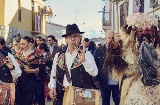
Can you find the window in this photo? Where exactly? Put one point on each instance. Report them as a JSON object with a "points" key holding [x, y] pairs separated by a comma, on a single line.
{"points": [[38, 23], [19, 15], [39, 10], [123, 13], [138, 6], [142, 6], [153, 3], [19, 10]]}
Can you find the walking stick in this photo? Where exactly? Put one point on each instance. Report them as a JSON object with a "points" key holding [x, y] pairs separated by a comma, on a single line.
{"points": [[117, 16]]}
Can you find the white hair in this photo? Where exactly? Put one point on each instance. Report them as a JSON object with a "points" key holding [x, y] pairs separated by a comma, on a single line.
{"points": [[108, 31]]}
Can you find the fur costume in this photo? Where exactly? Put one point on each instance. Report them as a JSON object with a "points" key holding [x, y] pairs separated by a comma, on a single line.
{"points": [[138, 59]]}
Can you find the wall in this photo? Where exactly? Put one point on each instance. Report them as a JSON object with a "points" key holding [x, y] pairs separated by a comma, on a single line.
{"points": [[56, 30], [151, 10], [11, 14], [2, 12], [131, 6]]}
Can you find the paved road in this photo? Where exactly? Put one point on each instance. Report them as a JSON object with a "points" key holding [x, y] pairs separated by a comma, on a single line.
{"points": [[50, 103]]}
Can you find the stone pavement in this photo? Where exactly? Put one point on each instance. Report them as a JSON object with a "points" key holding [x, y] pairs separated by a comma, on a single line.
{"points": [[50, 103], [112, 103]]}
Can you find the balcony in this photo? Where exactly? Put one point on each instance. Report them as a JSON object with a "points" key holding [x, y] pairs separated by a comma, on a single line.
{"points": [[107, 25], [36, 23]]}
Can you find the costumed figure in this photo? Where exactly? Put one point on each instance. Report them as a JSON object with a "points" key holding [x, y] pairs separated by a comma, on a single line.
{"points": [[136, 61], [30, 86]]}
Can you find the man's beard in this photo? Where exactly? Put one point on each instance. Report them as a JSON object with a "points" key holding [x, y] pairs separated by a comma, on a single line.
{"points": [[148, 64]]}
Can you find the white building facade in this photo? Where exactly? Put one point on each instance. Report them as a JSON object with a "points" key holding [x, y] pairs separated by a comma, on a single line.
{"points": [[125, 8], [153, 8], [55, 30]]}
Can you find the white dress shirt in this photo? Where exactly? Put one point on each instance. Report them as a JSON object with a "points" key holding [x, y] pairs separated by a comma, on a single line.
{"points": [[51, 48], [89, 65], [17, 71]]}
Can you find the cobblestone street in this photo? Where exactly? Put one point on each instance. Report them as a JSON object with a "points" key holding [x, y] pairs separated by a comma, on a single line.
{"points": [[50, 103]]}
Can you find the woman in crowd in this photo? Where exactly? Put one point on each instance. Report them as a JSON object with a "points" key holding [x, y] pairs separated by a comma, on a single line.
{"points": [[92, 47], [48, 59], [29, 90], [37, 41], [43, 40], [16, 45]]}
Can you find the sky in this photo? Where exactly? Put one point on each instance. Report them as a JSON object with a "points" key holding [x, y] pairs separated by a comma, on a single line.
{"points": [[82, 12]]}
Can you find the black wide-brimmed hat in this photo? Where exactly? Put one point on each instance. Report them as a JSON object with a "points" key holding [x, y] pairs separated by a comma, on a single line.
{"points": [[71, 29]]}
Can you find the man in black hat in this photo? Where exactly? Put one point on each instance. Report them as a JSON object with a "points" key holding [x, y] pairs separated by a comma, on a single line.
{"points": [[73, 66]]}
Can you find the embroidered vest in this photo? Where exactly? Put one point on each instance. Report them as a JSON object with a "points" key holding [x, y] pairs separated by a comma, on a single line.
{"points": [[5, 73], [80, 78]]}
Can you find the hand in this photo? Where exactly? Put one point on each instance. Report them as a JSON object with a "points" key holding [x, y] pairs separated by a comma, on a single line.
{"points": [[81, 55], [9, 62], [53, 93], [37, 70], [15, 80], [28, 70], [117, 37]]}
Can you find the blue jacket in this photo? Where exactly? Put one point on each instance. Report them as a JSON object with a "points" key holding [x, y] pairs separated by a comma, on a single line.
{"points": [[91, 49], [99, 56]]}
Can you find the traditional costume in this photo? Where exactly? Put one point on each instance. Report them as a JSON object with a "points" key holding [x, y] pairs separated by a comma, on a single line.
{"points": [[30, 86], [136, 59], [69, 70], [7, 75]]}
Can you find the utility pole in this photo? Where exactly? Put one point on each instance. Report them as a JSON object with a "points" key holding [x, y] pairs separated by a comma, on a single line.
{"points": [[76, 12]]}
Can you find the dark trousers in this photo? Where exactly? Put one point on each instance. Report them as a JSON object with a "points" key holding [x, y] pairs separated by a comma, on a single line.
{"points": [[106, 93], [60, 98]]}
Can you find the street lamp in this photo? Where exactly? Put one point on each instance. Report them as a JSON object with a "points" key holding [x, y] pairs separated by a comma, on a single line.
{"points": [[116, 1], [76, 12], [83, 26]]}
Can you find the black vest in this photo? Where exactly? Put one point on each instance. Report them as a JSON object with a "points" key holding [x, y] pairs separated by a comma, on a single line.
{"points": [[80, 78], [5, 73]]}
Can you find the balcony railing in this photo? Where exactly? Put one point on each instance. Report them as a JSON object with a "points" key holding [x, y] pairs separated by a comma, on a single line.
{"points": [[107, 23]]}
